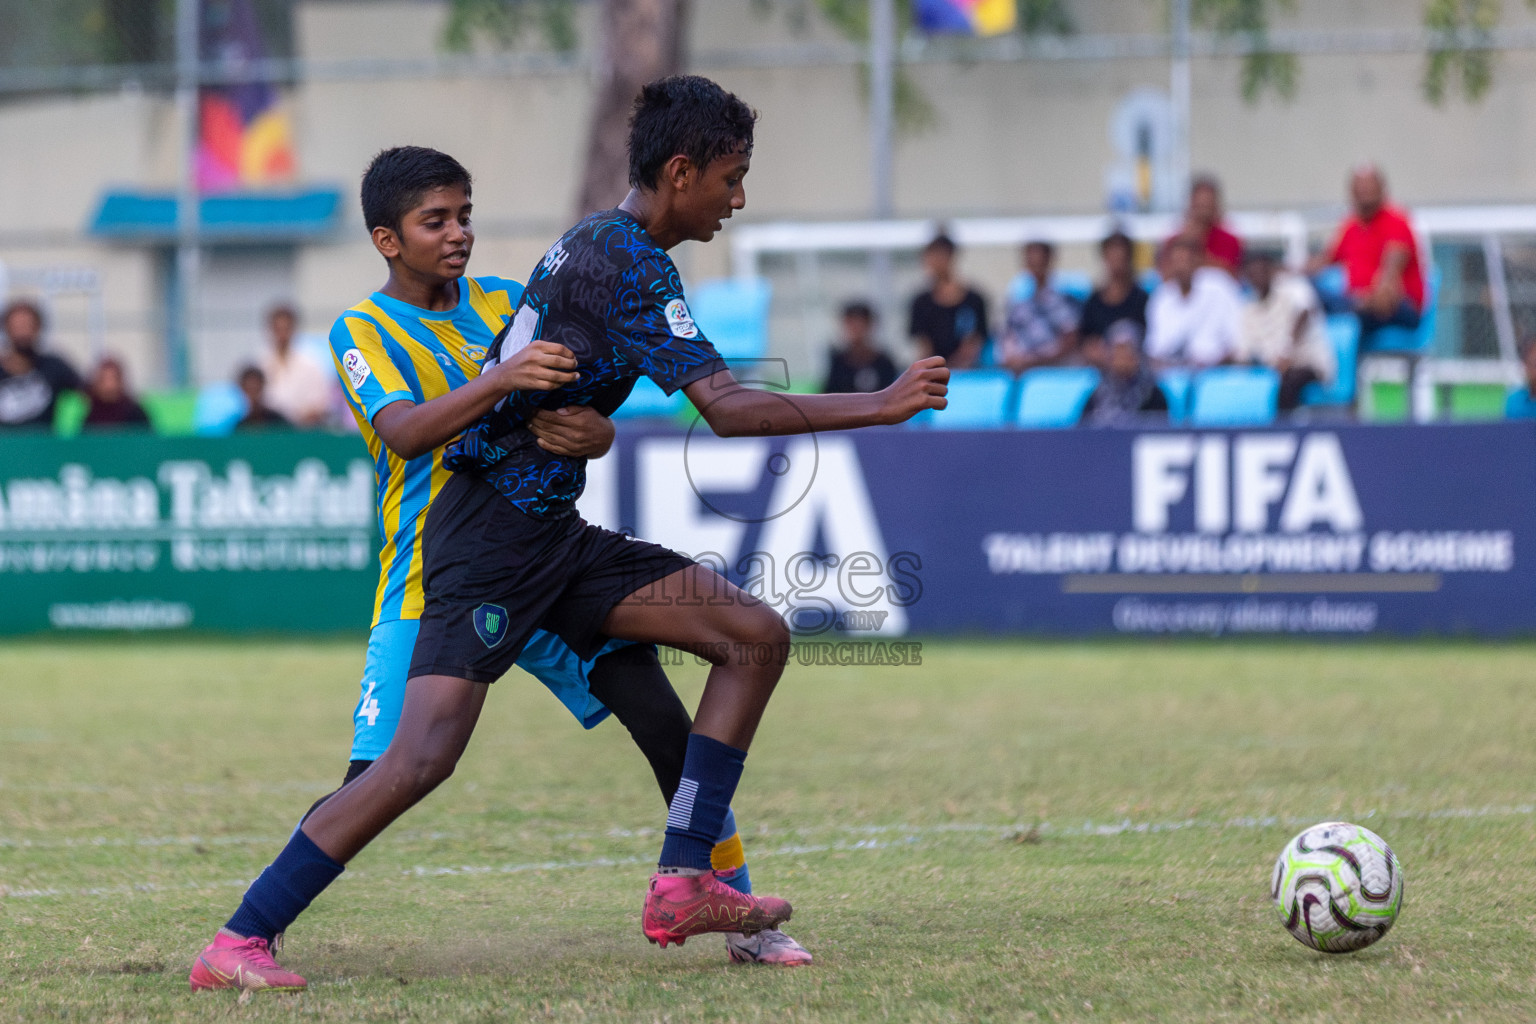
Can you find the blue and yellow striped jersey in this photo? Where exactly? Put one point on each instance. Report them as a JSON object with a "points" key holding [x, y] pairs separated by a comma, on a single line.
{"points": [[387, 351]]}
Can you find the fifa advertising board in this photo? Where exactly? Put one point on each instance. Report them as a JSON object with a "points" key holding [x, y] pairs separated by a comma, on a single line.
{"points": [[861, 537], [127, 531], [1329, 530]]}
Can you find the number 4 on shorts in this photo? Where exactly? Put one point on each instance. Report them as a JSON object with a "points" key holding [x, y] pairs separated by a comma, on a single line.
{"points": [[369, 708]]}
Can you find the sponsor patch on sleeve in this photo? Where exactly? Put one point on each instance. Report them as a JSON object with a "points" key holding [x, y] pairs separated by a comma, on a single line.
{"points": [[680, 321], [356, 367]]}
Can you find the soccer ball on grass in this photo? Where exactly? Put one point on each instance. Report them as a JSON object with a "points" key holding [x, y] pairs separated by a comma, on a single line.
{"points": [[1339, 887]]}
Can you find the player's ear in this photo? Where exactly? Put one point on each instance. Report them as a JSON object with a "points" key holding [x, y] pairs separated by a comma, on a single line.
{"points": [[679, 172], [386, 241]]}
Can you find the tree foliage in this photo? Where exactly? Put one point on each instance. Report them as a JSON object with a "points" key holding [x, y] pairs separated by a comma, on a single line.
{"points": [[1264, 69], [914, 111], [1459, 56], [1466, 21], [507, 22], [55, 33]]}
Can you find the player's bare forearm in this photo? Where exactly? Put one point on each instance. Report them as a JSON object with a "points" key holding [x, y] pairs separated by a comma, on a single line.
{"points": [[732, 410], [747, 412], [411, 430]]}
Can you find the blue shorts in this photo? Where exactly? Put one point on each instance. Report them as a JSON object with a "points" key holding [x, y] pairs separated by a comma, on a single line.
{"points": [[546, 657]]}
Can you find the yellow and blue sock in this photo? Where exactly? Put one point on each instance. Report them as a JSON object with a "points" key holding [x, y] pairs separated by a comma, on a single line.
{"points": [[729, 857]]}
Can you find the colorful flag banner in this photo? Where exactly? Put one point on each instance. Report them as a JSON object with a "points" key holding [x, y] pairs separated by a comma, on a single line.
{"points": [[966, 17], [245, 136]]}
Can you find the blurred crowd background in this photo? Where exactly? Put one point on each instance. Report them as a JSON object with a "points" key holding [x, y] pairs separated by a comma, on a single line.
{"points": [[1217, 211]]}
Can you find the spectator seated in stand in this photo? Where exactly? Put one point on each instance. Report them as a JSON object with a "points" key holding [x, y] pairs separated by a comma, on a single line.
{"points": [[857, 364], [297, 387], [1383, 279], [30, 379], [1282, 327], [1219, 247], [111, 404], [1128, 392], [258, 414], [949, 319], [1118, 299], [1192, 318], [1040, 330], [1521, 403]]}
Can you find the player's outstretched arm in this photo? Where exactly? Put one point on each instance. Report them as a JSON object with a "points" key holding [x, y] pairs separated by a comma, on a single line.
{"points": [[732, 410], [413, 430]]}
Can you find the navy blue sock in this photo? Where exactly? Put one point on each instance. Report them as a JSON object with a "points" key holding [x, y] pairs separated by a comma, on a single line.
{"points": [[300, 873], [711, 770]]}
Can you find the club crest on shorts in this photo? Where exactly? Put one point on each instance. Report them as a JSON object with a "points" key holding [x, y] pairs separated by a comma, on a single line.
{"points": [[491, 624]]}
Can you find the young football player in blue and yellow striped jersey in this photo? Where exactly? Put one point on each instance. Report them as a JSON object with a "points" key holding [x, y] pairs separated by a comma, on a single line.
{"points": [[409, 357]]}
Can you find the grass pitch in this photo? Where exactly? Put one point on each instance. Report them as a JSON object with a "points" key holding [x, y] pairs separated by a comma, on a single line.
{"points": [[1008, 832]]}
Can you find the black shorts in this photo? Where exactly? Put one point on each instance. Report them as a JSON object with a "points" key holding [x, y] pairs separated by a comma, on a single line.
{"points": [[492, 575]]}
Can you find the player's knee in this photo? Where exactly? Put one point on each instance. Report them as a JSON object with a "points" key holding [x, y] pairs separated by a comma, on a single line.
{"points": [[440, 764], [764, 632], [774, 631], [425, 769]]}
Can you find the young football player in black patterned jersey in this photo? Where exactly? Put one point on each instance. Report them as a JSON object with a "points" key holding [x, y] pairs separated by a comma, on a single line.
{"points": [[505, 552]]}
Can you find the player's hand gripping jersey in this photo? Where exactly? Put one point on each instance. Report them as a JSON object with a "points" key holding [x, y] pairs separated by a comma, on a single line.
{"points": [[387, 351], [607, 293]]}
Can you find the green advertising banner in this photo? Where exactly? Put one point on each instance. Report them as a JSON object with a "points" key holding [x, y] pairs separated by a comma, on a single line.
{"points": [[259, 532]]}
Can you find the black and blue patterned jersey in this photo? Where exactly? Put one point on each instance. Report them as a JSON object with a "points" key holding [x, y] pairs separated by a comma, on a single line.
{"points": [[613, 297]]}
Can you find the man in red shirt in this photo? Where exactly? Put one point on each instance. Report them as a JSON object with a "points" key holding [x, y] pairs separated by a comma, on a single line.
{"points": [[1202, 220], [1380, 256]]}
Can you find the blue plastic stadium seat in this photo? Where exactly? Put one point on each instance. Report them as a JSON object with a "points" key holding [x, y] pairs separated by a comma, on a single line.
{"points": [[1176, 385], [1054, 396], [1344, 334], [978, 400], [1020, 287], [648, 401], [220, 406], [1519, 405], [1234, 396], [1401, 340], [733, 314], [1149, 280], [1074, 284], [1330, 284]]}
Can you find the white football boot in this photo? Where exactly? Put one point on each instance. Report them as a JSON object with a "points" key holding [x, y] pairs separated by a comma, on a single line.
{"points": [[769, 946]]}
